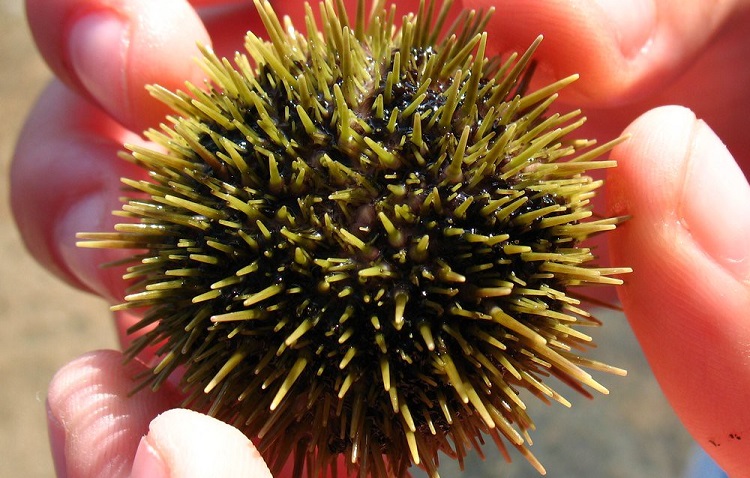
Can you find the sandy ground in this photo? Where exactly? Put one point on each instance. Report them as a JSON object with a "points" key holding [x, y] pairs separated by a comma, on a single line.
{"points": [[630, 433]]}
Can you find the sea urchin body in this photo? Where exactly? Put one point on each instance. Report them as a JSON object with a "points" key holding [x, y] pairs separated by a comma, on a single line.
{"points": [[362, 240]]}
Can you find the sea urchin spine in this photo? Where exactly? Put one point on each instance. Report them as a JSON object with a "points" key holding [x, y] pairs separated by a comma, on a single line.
{"points": [[361, 241]]}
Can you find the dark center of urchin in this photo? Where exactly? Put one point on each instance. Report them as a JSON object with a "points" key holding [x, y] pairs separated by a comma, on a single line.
{"points": [[363, 245]]}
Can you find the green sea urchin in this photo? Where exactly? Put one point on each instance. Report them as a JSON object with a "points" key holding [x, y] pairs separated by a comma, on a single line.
{"points": [[362, 241]]}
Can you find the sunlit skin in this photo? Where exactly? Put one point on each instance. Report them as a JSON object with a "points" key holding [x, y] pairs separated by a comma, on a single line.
{"points": [[687, 298]]}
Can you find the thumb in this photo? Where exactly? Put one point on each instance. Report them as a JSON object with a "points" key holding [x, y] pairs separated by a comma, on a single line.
{"points": [[185, 444], [689, 295]]}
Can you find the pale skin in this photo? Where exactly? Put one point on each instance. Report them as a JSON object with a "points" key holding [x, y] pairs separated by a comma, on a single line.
{"points": [[680, 177]]}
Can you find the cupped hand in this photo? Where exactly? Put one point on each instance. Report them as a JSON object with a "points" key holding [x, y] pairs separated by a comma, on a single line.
{"points": [[688, 198]]}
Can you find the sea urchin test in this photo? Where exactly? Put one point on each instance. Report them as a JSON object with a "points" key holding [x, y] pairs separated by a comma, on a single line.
{"points": [[362, 241]]}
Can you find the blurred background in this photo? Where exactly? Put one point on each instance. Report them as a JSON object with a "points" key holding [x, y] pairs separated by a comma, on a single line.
{"points": [[44, 323]]}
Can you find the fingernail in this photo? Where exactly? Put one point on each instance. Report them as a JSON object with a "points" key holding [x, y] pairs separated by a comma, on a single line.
{"points": [[57, 437], [98, 46], [148, 463], [90, 214], [632, 21], [716, 203]]}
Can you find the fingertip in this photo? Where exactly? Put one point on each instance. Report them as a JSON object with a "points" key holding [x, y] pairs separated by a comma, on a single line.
{"points": [[109, 51], [91, 212], [662, 133], [632, 22], [185, 444], [65, 179], [56, 434], [94, 419], [624, 50], [646, 187], [688, 296], [578, 39], [98, 51], [676, 172], [714, 203], [148, 462], [163, 50]]}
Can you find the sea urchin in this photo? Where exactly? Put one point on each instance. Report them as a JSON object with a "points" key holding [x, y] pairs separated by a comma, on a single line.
{"points": [[361, 241]]}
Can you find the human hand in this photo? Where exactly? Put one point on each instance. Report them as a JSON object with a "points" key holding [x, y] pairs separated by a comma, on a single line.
{"points": [[66, 175], [98, 429]]}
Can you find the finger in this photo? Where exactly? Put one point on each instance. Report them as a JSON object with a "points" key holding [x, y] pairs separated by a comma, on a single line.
{"points": [[65, 179], [108, 50], [94, 421], [184, 444], [621, 48], [689, 294]]}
